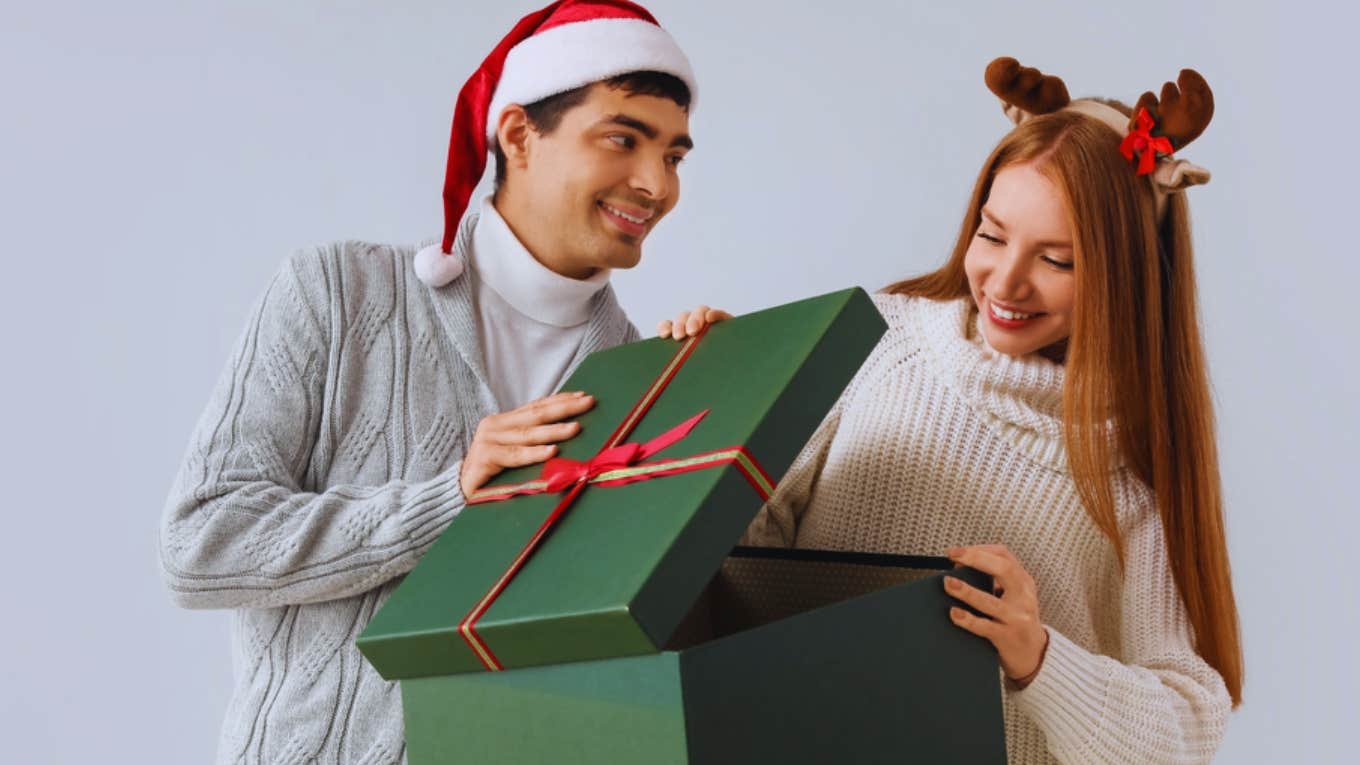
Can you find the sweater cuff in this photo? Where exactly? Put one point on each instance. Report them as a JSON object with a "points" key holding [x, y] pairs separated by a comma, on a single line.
{"points": [[1067, 699], [435, 503]]}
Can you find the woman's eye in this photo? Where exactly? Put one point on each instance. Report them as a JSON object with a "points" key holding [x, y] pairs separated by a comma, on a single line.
{"points": [[989, 238], [1059, 264]]}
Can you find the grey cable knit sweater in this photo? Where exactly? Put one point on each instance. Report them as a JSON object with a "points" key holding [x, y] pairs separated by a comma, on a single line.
{"points": [[324, 465]]}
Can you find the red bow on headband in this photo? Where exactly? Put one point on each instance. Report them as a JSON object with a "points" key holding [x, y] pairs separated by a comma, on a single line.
{"points": [[1140, 140]]}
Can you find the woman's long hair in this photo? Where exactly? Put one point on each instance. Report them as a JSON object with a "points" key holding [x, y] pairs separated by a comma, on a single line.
{"points": [[1134, 360]]}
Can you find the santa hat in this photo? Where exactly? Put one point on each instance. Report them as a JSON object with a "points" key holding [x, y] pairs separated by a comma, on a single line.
{"points": [[564, 46]]}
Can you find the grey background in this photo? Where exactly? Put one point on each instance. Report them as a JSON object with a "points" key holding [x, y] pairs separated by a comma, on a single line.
{"points": [[160, 159]]}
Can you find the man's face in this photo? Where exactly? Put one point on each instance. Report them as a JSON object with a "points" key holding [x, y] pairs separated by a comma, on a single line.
{"points": [[597, 184]]}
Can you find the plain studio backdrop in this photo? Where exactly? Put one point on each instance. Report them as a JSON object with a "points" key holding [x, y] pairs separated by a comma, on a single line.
{"points": [[160, 160]]}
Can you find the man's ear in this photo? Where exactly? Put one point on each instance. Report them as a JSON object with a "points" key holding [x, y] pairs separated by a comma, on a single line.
{"points": [[513, 132]]}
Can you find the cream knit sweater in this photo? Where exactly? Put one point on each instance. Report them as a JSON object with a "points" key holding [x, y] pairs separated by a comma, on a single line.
{"points": [[941, 441]]}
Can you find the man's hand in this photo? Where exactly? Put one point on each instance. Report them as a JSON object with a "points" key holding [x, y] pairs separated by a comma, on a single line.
{"points": [[691, 323], [522, 436]]}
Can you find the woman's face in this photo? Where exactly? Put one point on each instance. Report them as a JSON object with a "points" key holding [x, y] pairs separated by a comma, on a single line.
{"points": [[1019, 265]]}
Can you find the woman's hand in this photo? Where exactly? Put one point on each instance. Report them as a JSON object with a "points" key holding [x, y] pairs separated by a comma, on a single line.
{"points": [[690, 323], [1011, 620]]}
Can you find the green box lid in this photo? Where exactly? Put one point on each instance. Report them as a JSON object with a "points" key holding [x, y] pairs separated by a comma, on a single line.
{"points": [[622, 566]]}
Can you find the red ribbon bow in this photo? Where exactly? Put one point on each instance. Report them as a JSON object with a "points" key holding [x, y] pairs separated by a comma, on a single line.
{"points": [[1141, 141], [561, 473]]}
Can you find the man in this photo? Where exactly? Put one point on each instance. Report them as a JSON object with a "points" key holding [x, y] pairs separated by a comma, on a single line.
{"points": [[357, 411]]}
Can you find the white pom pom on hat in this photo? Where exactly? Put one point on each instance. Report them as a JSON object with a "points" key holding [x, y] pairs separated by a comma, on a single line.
{"points": [[436, 267], [563, 46]]}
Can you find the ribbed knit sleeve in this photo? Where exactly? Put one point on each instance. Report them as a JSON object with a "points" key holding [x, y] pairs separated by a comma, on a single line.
{"points": [[239, 530], [1158, 703]]}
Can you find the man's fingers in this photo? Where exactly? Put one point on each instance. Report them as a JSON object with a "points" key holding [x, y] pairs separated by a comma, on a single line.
{"points": [[690, 323], [551, 409], [536, 435], [697, 319], [519, 456], [523, 436]]}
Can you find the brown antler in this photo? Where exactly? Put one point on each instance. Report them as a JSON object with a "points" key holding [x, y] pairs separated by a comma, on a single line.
{"points": [[1182, 113], [1025, 87]]}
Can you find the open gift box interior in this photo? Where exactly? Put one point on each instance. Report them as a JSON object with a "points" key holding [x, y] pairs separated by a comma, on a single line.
{"points": [[760, 585]]}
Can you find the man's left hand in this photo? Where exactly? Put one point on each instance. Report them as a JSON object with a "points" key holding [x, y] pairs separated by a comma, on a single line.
{"points": [[691, 323]]}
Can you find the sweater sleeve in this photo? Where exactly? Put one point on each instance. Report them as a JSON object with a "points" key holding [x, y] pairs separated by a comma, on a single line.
{"points": [[1162, 704], [238, 529], [776, 525]]}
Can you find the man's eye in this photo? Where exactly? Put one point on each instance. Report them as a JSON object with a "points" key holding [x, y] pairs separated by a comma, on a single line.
{"points": [[989, 238], [624, 141], [676, 159]]}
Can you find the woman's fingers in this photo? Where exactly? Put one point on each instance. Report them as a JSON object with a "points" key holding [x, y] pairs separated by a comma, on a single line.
{"points": [[985, 602], [977, 625], [1001, 567], [1010, 619]]}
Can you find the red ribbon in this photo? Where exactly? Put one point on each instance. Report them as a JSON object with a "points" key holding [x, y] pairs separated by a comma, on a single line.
{"points": [[1141, 141], [561, 473], [573, 476]]}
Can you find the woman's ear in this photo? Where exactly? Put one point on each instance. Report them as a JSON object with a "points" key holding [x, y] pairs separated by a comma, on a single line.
{"points": [[512, 131]]}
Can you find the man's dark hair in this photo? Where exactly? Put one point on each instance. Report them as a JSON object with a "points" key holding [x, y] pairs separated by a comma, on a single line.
{"points": [[546, 114]]}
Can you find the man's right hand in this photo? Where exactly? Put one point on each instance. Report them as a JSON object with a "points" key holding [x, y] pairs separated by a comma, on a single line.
{"points": [[519, 437]]}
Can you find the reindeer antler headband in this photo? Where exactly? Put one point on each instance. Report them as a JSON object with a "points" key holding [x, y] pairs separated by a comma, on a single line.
{"points": [[1179, 117]]}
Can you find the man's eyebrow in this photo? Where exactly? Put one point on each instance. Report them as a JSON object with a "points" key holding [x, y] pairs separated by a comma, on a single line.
{"points": [[683, 140], [630, 122]]}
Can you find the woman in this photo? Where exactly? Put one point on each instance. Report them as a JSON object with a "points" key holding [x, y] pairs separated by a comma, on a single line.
{"points": [[1039, 410]]}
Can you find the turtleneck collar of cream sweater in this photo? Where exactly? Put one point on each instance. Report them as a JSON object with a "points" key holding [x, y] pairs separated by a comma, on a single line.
{"points": [[1021, 394]]}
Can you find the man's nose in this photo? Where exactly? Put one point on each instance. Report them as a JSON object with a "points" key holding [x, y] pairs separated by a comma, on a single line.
{"points": [[651, 178]]}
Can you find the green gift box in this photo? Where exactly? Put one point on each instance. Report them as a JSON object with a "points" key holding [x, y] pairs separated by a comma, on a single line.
{"points": [[592, 579]]}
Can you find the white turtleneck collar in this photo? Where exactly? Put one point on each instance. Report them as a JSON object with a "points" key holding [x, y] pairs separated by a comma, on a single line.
{"points": [[504, 265], [1023, 394]]}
